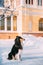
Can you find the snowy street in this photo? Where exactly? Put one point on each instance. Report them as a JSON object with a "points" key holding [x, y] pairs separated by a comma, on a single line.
{"points": [[32, 51]]}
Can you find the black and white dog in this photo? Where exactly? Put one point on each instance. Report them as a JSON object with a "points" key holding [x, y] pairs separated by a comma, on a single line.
{"points": [[16, 49]]}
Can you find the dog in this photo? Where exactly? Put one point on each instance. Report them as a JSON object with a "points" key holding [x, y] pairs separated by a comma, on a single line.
{"points": [[16, 49]]}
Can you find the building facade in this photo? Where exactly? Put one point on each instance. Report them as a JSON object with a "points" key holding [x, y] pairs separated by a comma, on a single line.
{"points": [[19, 17]]}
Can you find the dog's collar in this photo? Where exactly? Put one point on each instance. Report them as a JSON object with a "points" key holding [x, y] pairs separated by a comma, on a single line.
{"points": [[18, 47]]}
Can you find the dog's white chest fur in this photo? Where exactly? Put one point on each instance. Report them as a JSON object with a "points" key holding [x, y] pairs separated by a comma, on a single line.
{"points": [[18, 55]]}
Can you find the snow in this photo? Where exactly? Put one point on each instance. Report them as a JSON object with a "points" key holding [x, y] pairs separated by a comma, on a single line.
{"points": [[7, 42], [32, 51]]}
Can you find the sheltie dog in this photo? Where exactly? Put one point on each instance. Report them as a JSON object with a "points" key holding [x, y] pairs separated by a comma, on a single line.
{"points": [[17, 48]]}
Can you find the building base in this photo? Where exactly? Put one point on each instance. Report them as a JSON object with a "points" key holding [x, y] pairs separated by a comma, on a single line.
{"points": [[35, 34], [8, 35]]}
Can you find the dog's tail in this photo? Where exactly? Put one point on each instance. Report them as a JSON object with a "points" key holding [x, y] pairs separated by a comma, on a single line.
{"points": [[9, 56]]}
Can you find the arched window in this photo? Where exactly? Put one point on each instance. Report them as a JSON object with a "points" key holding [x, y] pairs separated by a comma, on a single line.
{"points": [[2, 22], [41, 25]]}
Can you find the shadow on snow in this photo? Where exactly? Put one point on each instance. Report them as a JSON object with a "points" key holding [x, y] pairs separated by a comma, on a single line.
{"points": [[33, 57]]}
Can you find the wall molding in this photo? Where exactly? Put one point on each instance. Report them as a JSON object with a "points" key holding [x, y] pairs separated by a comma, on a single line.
{"points": [[25, 12]]}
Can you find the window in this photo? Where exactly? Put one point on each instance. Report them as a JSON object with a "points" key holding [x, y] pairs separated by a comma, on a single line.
{"points": [[29, 1], [9, 23], [15, 23], [26, 1], [2, 22], [1, 3], [40, 26], [40, 2]]}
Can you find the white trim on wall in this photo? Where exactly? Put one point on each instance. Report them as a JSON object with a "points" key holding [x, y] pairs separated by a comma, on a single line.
{"points": [[31, 13], [5, 22]]}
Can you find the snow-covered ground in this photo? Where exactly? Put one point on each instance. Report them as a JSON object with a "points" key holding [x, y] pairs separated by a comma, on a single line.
{"points": [[32, 51]]}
